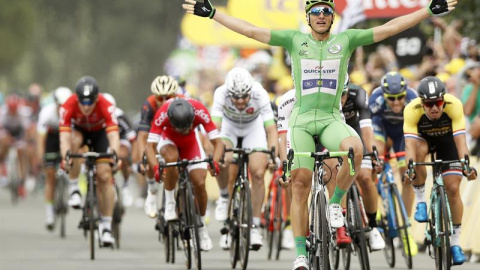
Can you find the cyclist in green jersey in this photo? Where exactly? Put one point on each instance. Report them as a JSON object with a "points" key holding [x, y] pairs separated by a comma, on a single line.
{"points": [[319, 64]]}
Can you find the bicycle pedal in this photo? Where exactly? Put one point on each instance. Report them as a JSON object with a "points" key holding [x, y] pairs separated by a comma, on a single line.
{"points": [[255, 247], [186, 235]]}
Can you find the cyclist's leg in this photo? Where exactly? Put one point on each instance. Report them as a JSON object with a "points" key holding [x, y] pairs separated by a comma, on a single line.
{"points": [[52, 153], [105, 189], [170, 153], [76, 143], [256, 138], [125, 154], [300, 140]]}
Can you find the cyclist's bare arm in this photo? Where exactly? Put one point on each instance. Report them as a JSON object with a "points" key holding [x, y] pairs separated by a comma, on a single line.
{"points": [[368, 138], [217, 149], [151, 153], [65, 143], [282, 145], [237, 25], [272, 137], [114, 140], [41, 138]]}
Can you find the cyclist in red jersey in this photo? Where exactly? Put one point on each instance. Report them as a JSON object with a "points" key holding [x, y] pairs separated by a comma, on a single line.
{"points": [[163, 88], [174, 136], [87, 118]]}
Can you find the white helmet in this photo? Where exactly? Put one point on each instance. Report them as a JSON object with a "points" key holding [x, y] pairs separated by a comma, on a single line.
{"points": [[110, 98], [61, 94], [239, 81], [164, 86]]}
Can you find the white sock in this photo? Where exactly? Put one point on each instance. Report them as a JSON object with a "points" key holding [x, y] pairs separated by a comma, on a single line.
{"points": [[455, 238], [152, 185], [420, 193], [256, 221], [73, 185], [49, 208], [169, 195], [202, 218], [224, 193], [106, 222]]}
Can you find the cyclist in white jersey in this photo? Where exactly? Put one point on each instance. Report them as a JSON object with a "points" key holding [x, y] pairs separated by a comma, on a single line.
{"points": [[237, 106], [48, 147], [319, 64]]}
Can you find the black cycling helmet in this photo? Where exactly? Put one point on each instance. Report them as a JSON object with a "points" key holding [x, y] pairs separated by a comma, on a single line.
{"points": [[180, 113], [431, 88], [87, 90], [393, 83]]}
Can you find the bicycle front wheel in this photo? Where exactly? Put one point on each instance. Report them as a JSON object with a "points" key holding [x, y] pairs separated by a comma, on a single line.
{"points": [[245, 222], [441, 242], [193, 223], [319, 246], [402, 224]]}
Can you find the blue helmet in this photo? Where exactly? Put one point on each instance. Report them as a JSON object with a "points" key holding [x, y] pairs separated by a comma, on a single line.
{"points": [[393, 83]]}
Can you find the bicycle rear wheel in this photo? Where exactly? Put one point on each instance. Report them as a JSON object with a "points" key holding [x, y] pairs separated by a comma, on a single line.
{"points": [[389, 250], [61, 207], [118, 211], [278, 221], [346, 257], [13, 174], [402, 224], [245, 223], [269, 223], [356, 227], [443, 258], [171, 241]]}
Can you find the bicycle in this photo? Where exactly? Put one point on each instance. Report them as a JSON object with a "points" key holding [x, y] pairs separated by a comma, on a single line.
{"points": [[275, 215], [439, 226], [393, 220], [321, 235], [90, 213], [14, 173], [188, 223], [239, 221]]}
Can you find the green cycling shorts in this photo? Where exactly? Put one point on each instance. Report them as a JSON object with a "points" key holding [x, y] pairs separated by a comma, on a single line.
{"points": [[330, 128]]}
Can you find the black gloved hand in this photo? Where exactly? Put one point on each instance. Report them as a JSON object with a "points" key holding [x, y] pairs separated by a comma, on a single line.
{"points": [[204, 9], [438, 7]]}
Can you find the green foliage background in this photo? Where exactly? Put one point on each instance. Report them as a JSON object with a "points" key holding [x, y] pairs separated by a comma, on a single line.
{"points": [[122, 43]]}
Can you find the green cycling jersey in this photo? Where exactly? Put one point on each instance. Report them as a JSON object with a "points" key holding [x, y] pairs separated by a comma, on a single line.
{"points": [[319, 67]]}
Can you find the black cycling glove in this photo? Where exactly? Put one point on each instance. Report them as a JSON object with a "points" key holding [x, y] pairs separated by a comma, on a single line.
{"points": [[204, 9], [438, 7]]}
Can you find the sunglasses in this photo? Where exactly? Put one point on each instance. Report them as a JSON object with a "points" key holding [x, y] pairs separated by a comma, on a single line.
{"points": [[393, 97], [327, 11], [86, 102], [164, 98], [240, 96], [439, 103]]}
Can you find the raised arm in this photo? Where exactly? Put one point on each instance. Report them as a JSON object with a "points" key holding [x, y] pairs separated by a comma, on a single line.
{"points": [[242, 27], [397, 25]]}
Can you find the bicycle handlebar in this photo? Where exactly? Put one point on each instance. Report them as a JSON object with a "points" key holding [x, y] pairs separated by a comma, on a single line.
{"points": [[464, 161], [182, 163], [91, 155], [245, 151], [321, 156]]}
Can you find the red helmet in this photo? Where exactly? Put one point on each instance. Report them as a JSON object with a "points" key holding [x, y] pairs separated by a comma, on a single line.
{"points": [[13, 101]]}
